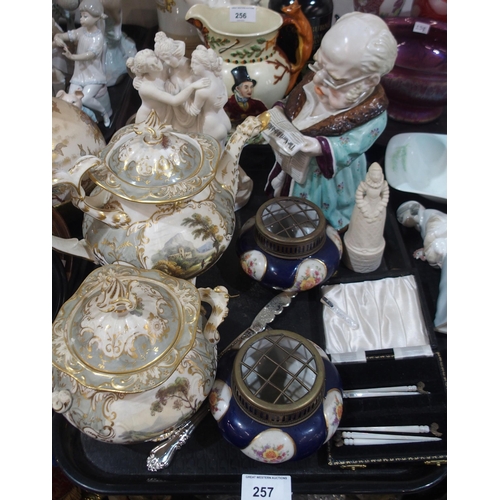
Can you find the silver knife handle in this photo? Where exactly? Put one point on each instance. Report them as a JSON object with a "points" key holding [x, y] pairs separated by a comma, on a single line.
{"points": [[161, 456], [273, 308], [265, 316]]}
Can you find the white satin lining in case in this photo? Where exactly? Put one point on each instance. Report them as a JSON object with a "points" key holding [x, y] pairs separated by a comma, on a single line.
{"points": [[388, 313]]}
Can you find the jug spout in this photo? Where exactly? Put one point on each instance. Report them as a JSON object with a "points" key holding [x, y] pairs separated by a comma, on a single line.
{"points": [[227, 169], [197, 15]]}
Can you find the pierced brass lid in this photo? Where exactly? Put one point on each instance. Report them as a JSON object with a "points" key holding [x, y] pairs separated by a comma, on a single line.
{"points": [[278, 378], [290, 227]]}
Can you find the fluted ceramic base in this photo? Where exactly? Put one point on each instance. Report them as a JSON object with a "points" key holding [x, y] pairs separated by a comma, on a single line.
{"points": [[362, 260]]}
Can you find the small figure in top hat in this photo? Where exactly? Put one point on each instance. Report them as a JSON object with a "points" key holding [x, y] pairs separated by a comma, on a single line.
{"points": [[240, 104]]}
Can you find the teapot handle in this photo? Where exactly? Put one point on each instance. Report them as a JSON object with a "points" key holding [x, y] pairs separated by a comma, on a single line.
{"points": [[73, 177], [218, 299], [293, 15]]}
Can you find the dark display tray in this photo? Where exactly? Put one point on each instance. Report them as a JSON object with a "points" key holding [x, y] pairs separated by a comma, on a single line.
{"points": [[207, 464]]}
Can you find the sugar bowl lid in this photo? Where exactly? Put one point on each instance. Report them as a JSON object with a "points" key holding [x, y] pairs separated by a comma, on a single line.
{"points": [[126, 329], [147, 162]]}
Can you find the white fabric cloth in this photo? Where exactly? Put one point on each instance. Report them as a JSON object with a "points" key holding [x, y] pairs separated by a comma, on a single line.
{"points": [[388, 314]]}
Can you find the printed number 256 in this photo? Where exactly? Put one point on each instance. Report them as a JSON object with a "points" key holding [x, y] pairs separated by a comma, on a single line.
{"points": [[263, 491]]}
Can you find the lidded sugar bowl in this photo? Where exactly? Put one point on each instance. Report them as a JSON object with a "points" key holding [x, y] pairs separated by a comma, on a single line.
{"points": [[288, 245], [277, 398], [132, 354]]}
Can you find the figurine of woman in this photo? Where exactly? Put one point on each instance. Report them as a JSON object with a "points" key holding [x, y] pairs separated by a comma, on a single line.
{"points": [[88, 75], [208, 103], [364, 239], [150, 82]]}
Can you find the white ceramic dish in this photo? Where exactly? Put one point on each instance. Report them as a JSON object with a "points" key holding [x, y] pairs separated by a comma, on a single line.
{"points": [[417, 163]]}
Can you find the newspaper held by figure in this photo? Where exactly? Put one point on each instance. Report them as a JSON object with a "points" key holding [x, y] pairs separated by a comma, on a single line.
{"points": [[286, 142]]}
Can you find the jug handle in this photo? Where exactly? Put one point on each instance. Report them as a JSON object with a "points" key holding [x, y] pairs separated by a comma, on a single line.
{"points": [[218, 299], [73, 177], [293, 15]]}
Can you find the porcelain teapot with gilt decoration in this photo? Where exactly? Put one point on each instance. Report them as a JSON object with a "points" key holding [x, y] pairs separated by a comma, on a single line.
{"points": [[162, 199], [133, 355]]}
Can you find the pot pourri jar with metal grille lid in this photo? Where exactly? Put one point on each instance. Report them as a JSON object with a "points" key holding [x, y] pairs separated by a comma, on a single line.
{"points": [[288, 245], [277, 398]]}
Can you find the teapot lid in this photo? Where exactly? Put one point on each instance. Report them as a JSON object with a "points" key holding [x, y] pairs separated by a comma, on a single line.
{"points": [[147, 162], [125, 329]]}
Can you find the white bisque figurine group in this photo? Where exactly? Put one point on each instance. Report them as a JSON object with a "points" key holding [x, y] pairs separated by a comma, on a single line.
{"points": [[188, 94]]}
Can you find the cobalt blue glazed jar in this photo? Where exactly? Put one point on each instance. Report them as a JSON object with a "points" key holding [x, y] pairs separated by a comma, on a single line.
{"points": [[288, 245], [277, 398]]}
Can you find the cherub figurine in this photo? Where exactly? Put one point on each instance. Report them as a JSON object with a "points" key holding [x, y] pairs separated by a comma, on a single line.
{"points": [[364, 239], [150, 83], [208, 103], [339, 110], [177, 65], [178, 75], [88, 75]]}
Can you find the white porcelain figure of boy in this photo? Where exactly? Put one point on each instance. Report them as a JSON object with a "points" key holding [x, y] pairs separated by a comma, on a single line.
{"points": [[88, 75]]}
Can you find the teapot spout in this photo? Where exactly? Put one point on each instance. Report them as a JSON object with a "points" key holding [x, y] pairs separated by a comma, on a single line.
{"points": [[227, 169]]}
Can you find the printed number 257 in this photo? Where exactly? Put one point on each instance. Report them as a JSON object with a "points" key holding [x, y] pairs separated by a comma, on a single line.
{"points": [[263, 491]]}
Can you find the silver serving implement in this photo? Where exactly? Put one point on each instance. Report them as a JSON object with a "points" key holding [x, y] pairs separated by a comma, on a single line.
{"points": [[358, 441], [161, 456], [401, 390], [410, 429], [387, 437]]}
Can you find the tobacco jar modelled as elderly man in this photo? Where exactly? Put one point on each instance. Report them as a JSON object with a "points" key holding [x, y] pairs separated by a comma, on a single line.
{"points": [[338, 111]]}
